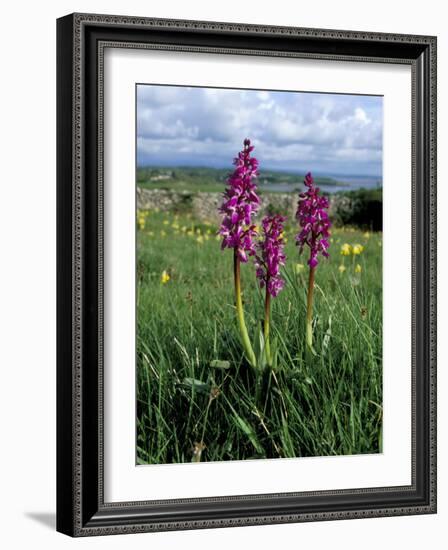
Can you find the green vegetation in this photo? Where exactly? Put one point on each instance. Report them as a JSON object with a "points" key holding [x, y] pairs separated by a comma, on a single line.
{"points": [[210, 179], [362, 208], [197, 397]]}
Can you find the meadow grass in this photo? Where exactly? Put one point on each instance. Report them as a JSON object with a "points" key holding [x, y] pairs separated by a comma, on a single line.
{"points": [[197, 397]]}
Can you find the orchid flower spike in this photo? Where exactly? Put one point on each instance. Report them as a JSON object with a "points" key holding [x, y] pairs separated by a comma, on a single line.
{"points": [[314, 222], [240, 204]]}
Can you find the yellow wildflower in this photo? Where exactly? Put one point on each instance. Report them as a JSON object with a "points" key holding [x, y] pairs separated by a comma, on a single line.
{"points": [[367, 235], [342, 268], [141, 222], [299, 268], [141, 218], [165, 277], [357, 249], [200, 239], [358, 268], [346, 249]]}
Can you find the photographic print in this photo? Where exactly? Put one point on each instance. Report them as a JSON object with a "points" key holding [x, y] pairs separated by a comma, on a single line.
{"points": [[228, 307], [259, 274]]}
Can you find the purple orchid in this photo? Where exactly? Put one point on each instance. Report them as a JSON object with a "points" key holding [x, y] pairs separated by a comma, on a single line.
{"points": [[268, 261], [240, 203], [314, 221], [315, 225], [271, 255]]}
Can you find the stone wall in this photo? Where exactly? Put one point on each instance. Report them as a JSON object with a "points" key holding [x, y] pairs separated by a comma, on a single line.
{"points": [[205, 205]]}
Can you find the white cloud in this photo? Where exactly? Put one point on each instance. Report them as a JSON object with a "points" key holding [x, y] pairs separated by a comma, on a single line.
{"points": [[290, 128], [263, 95], [361, 116]]}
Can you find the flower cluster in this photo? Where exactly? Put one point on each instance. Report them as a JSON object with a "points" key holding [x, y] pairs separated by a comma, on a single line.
{"points": [[270, 255], [241, 202], [356, 249], [141, 218], [314, 221]]}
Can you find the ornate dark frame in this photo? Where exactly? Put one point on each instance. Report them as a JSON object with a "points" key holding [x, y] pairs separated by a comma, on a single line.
{"points": [[81, 39]]}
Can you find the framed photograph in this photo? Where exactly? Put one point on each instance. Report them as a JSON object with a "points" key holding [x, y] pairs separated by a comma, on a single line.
{"points": [[246, 274]]}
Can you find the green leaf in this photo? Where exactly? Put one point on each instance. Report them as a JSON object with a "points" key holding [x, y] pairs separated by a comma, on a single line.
{"points": [[274, 352], [327, 336], [259, 350], [141, 452], [196, 385], [218, 364], [249, 431]]}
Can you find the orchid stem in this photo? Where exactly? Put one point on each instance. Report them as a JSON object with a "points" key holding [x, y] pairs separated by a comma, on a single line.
{"points": [[309, 309], [267, 318], [240, 312]]}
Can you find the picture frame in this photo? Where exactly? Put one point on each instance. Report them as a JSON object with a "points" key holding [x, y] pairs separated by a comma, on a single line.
{"points": [[81, 506]]}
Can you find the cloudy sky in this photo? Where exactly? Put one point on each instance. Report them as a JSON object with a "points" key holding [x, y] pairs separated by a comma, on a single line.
{"points": [[293, 131]]}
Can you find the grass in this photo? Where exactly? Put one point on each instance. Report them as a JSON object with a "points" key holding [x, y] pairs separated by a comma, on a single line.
{"points": [[197, 397], [184, 186]]}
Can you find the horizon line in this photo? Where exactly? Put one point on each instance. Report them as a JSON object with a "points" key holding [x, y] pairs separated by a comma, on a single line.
{"points": [[266, 168]]}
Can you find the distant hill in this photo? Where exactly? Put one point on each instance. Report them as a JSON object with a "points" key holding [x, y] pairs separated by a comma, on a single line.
{"points": [[214, 179]]}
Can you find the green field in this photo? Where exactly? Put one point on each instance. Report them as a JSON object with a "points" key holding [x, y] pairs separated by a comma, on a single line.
{"points": [[212, 180], [197, 397]]}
